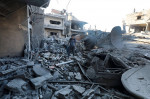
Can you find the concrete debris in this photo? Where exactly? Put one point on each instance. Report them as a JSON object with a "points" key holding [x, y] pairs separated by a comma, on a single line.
{"points": [[56, 75], [15, 85], [50, 74], [47, 55], [30, 63], [40, 71], [79, 89], [88, 92], [38, 82], [63, 92], [47, 96], [78, 76], [71, 74]]}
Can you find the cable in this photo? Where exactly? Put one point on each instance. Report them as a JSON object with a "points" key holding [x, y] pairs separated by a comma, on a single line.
{"points": [[68, 5]]}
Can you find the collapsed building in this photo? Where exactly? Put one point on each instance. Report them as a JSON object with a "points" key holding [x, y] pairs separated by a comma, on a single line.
{"points": [[138, 21]]}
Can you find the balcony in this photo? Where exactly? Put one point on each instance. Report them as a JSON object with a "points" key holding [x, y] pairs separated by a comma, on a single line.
{"points": [[55, 27]]}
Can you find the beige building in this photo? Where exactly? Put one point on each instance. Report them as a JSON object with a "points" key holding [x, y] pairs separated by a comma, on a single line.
{"points": [[62, 24], [53, 25], [138, 21]]}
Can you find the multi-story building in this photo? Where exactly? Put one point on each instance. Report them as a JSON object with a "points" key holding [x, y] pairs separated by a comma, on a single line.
{"points": [[54, 25], [138, 21], [62, 24]]}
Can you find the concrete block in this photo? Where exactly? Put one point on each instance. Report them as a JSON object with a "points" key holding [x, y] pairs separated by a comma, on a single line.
{"points": [[56, 75], [88, 92], [71, 74], [15, 85], [40, 71], [38, 82], [62, 93], [47, 95], [30, 63], [78, 76], [79, 89]]}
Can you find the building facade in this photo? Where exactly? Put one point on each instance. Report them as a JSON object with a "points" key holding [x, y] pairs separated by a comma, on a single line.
{"points": [[138, 21], [53, 25]]}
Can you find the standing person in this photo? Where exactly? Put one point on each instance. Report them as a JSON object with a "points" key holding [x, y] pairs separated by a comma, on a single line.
{"points": [[71, 45]]}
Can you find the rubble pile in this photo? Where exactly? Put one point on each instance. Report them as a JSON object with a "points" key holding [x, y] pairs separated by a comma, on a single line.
{"points": [[50, 74]]}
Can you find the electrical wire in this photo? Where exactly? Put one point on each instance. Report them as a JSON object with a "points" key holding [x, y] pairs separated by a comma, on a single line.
{"points": [[68, 5]]}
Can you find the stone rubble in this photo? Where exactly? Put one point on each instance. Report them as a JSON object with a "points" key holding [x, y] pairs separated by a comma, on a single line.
{"points": [[50, 74]]}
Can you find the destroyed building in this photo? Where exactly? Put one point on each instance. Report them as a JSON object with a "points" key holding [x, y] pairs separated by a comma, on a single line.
{"points": [[34, 67], [18, 25], [54, 25], [63, 23], [76, 26], [138, 21]]}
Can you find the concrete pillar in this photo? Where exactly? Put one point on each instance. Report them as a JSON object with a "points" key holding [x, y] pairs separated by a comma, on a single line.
{"points": [[146, 27]]}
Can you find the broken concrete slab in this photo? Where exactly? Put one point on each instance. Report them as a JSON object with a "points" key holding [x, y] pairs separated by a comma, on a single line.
{"points": [[78, 76], [56, 75], [40, 71], [15, 85], [47, 95], [63, 92], [38, 82], [52, 87], [88, 92], [78, 89], [71, 74], [30, 63]]}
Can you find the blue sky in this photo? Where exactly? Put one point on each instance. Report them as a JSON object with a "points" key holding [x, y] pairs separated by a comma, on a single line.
{"points": [[105, 14]]}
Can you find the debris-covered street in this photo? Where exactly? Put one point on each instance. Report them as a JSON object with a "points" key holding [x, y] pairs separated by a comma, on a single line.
{"points": [[52, 56]]}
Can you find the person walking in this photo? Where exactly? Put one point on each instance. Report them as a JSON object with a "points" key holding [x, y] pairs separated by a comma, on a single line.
{"points": [[71, 45]]}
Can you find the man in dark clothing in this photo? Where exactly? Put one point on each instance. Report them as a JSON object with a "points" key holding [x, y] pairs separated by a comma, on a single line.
{"points": [[71, 45]]}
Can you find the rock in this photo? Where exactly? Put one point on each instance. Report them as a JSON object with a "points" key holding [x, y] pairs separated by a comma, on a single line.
{"points": [[30, 63], [40, 71], [88, 92], [15, 85], [78, 76], [62, 93], [79, 89], [38, 82]]}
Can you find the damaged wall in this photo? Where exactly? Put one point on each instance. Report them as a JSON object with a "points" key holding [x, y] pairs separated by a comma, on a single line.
{"points": [[12, 35], [50, 32], [37, 34]]}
